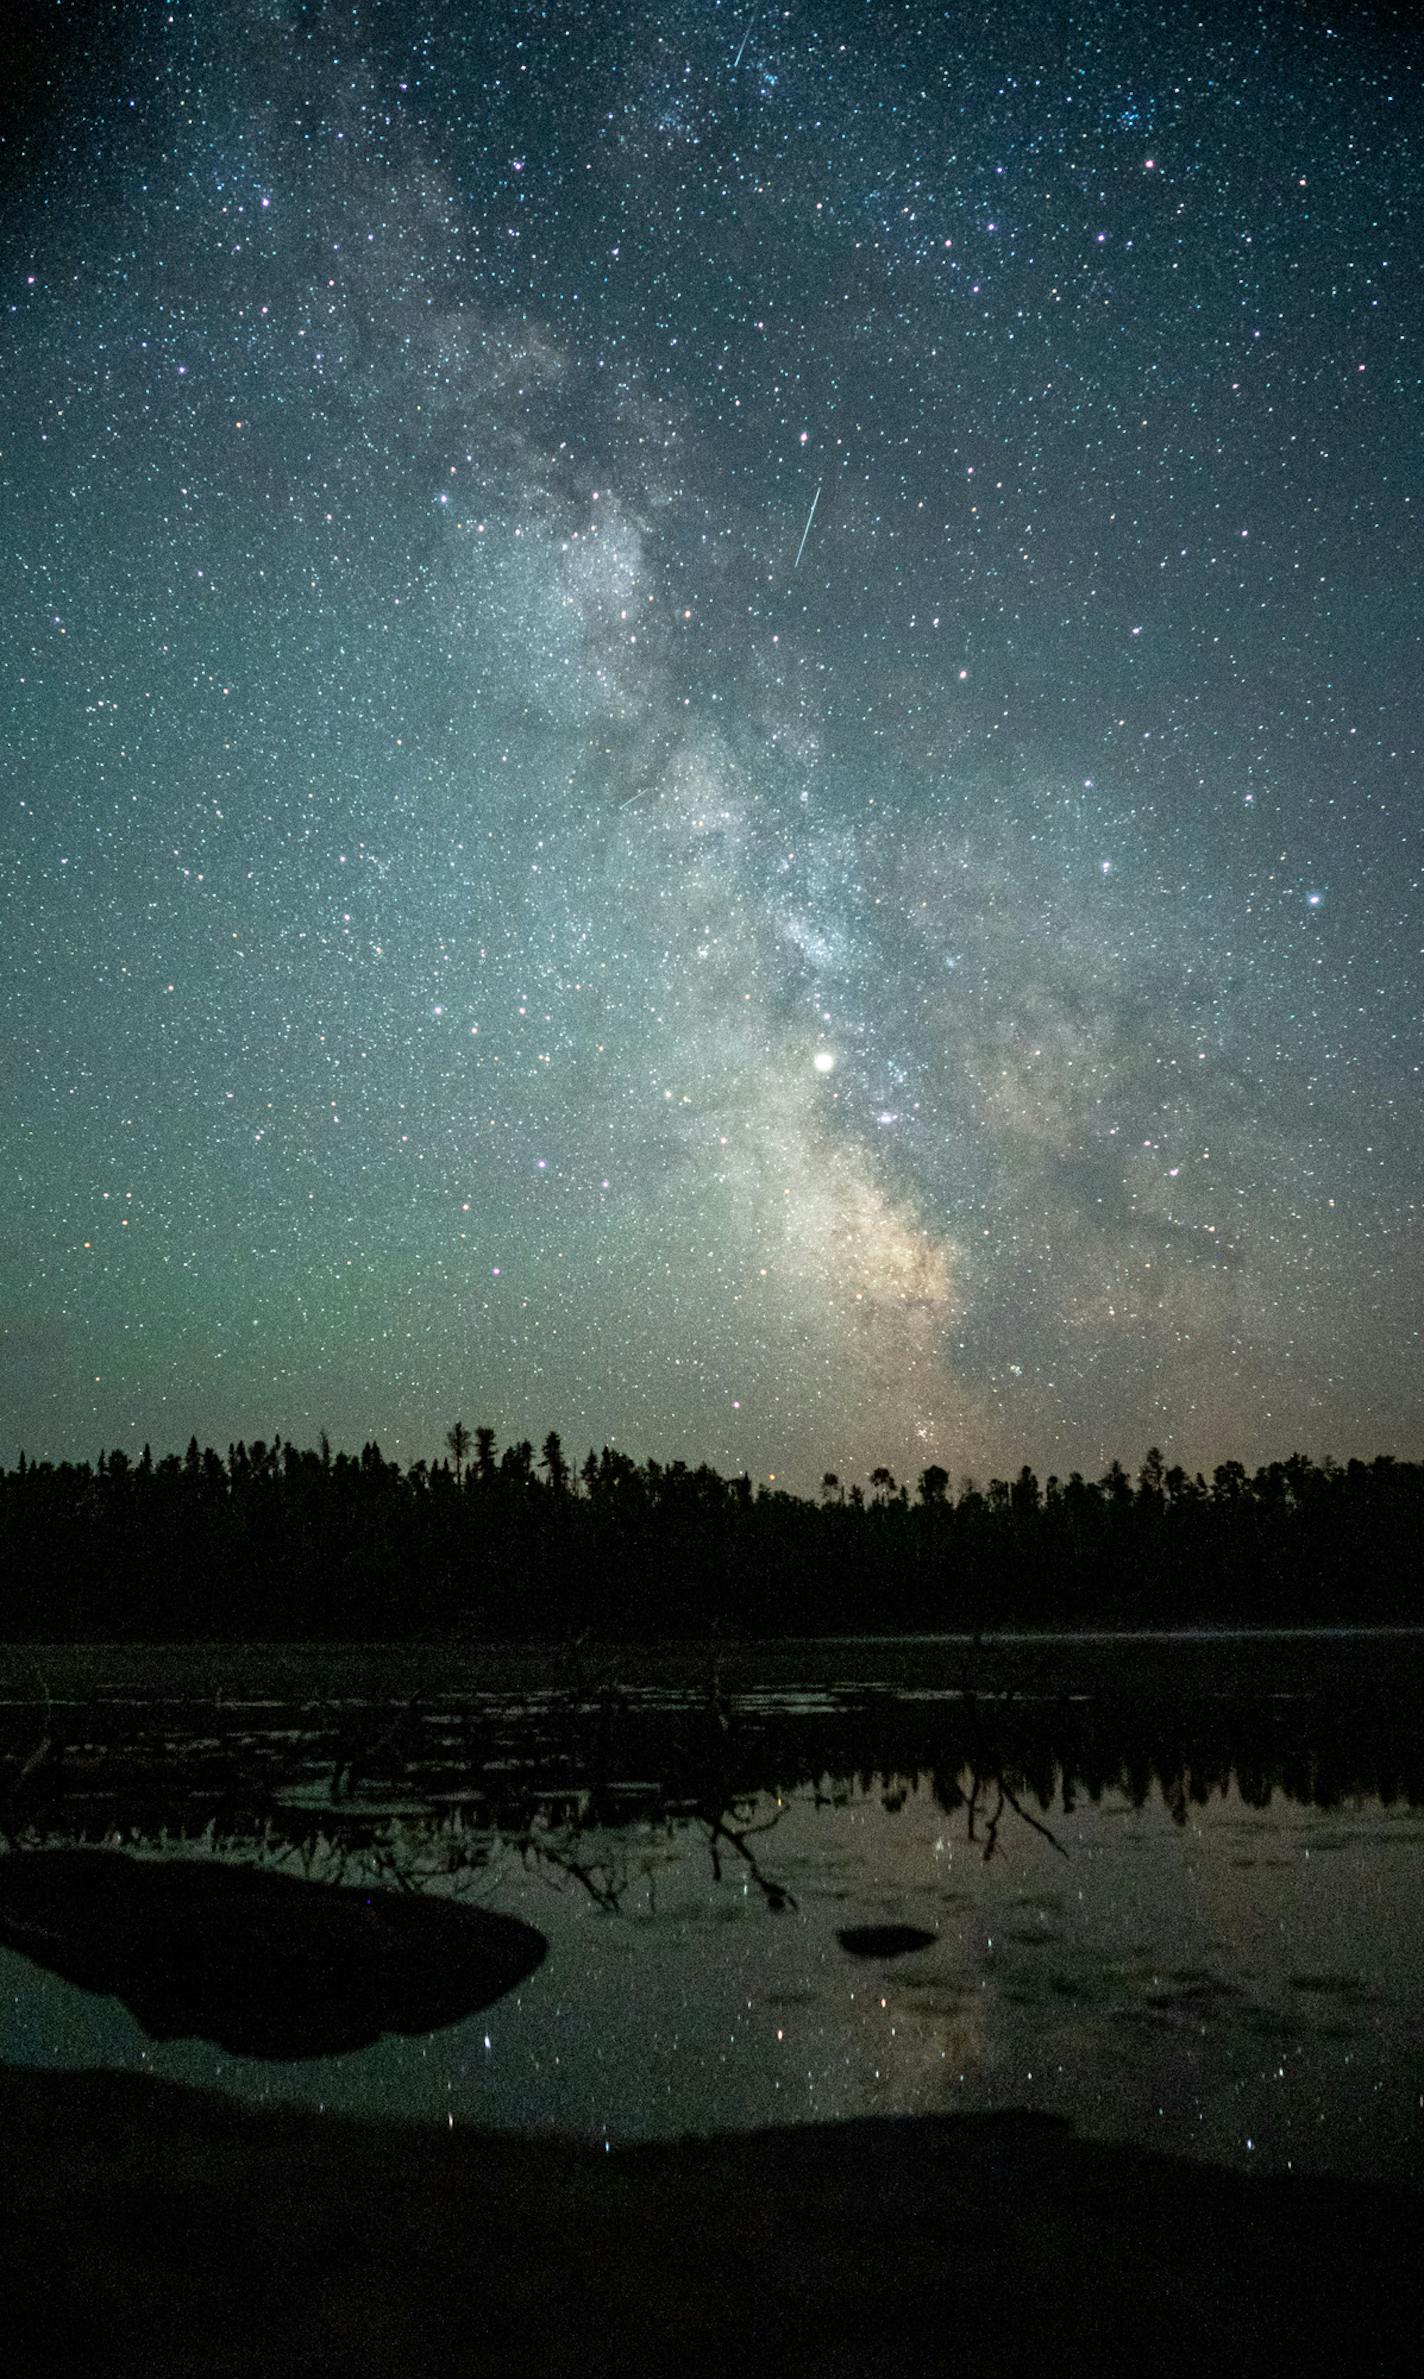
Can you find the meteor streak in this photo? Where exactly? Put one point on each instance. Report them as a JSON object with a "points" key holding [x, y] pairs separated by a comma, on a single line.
{"points": [[805, 533]]}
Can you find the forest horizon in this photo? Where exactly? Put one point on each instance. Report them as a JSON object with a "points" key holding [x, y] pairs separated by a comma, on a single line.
{"points": [[276, 1540]]}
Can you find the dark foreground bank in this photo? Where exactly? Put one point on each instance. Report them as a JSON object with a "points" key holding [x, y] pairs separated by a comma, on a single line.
{"points": [[147, 2229]]}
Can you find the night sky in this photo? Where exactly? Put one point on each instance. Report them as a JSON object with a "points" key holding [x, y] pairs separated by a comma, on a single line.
{"points": [[711, 729]]}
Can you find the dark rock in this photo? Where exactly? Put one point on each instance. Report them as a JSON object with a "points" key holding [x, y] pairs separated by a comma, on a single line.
{"points": [[883, 1941], [264, 1965]]}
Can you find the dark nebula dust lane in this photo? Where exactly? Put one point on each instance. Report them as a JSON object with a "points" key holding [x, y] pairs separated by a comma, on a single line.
{"points": [[711, 729]]}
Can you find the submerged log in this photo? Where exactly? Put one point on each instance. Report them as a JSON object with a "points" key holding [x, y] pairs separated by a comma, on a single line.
{"points": [[263, 1965]]}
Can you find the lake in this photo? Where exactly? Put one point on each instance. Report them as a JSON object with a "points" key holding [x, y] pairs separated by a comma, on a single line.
{"points": [[1172, 1885]]}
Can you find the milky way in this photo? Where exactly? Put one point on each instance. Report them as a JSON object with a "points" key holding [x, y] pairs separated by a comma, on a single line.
{"points": [[495, 930]]}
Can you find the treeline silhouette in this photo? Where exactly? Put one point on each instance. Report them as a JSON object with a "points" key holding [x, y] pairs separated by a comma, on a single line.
{"points": [[281, 1541]]}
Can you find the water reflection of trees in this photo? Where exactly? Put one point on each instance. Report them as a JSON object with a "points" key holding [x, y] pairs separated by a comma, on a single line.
{"points": [[603, 1787]]}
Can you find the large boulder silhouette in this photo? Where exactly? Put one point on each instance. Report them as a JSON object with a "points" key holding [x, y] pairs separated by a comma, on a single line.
{"points": [[263, 1965]]}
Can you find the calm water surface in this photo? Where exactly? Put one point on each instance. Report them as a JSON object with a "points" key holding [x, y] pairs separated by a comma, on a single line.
{"points": [[1220, 1949]]}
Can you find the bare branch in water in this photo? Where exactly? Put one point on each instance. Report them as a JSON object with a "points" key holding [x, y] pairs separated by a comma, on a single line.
{"points": [[776, 1895]]}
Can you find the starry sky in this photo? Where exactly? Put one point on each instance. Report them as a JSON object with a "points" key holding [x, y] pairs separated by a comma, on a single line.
{"points": [[711, 728]]}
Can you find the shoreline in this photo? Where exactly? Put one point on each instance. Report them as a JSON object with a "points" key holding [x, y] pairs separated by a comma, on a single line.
{"points": [[270, 1668], [156, 2229]]}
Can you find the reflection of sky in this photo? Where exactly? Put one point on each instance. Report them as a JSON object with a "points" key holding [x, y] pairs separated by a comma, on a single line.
{"points": [[444, 821], [1246, 1989]]}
